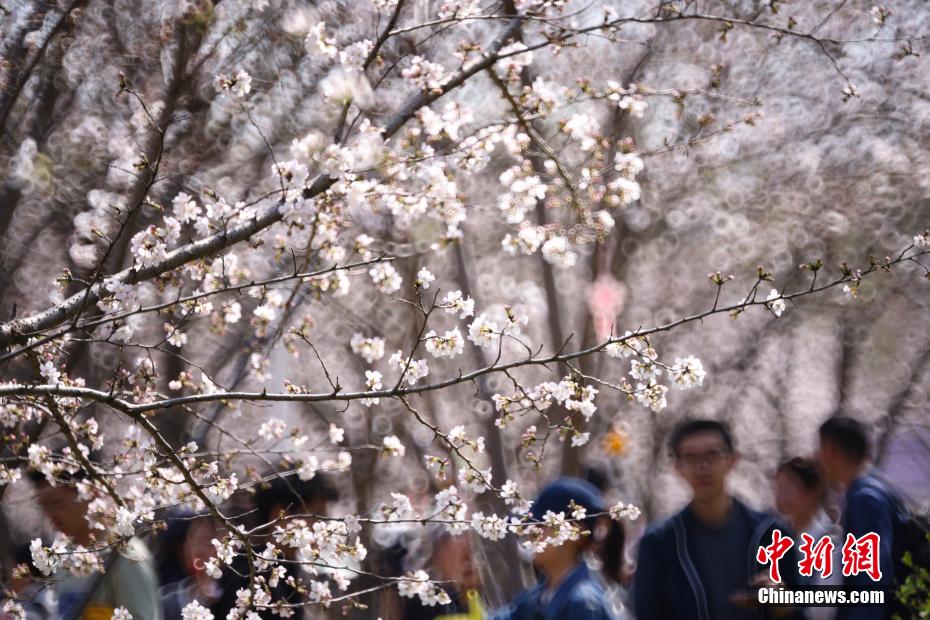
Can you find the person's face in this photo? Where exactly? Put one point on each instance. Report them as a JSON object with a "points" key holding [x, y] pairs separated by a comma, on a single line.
{"points": [[556, 555], [198, 547], [704, 461], [793, 499], [829, 459], [63, 509], [453, 562]]}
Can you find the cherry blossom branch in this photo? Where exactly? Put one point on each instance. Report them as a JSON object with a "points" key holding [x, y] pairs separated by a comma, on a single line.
{"points": [[337, 395], [98, 321], [14, 330]]}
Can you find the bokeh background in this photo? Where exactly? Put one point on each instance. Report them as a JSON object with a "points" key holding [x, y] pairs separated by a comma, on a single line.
{"points": [[819, 175]]}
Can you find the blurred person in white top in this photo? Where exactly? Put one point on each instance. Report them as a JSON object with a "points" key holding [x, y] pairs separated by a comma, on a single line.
{"points": [[799, 495]]}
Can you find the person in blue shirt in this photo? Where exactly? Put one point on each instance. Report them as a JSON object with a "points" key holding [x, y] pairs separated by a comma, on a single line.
{"points": [[869, 506], [569, 589], [700, 564]]}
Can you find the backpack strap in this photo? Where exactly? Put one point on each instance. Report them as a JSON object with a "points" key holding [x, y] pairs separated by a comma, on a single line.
{"points": [[904, 503]]}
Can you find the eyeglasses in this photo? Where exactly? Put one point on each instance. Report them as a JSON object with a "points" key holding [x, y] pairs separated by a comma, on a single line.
{"points": [[711, 457]]}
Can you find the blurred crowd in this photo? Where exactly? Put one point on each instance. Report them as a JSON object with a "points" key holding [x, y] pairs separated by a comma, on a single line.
{"points": [[705, 562]]}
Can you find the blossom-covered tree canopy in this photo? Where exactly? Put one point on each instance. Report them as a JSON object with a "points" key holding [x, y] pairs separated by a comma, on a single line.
{"points": [[441, 251]]}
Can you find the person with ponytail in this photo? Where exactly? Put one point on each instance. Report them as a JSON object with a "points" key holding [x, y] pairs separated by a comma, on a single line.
{"points": [[568, 589]]}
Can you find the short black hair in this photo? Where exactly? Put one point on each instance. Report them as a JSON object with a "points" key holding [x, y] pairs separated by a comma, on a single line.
{"points": [[687, 428], [804, 470], [292, 491], [849, 435]]}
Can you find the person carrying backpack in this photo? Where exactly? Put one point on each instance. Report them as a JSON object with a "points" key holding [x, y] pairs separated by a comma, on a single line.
{"points": [[871, 507]]}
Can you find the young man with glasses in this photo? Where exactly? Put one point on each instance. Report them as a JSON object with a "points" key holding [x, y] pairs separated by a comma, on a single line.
{"points": [[700, 564]]}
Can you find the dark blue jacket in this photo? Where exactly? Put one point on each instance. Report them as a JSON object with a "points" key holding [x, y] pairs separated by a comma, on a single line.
{"points": [[871, 506], [580, 596], [667, 585]]}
